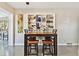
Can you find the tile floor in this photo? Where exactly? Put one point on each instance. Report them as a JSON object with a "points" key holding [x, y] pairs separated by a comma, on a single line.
{"points": [[6, 50]]}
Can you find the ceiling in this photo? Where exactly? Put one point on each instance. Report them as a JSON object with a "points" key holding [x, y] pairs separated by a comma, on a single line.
{"points": [[22, 5]]}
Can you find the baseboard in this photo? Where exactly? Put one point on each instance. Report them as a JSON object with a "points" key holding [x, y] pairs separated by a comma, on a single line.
{"points": [[19, 44], [66, 44], [42, 44]]}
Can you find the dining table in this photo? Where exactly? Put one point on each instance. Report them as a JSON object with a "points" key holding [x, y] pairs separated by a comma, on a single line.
{"points": [[40, 34]]}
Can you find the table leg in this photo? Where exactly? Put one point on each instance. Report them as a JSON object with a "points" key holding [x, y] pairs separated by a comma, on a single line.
{"points": [[25, 45], [55, 45]]}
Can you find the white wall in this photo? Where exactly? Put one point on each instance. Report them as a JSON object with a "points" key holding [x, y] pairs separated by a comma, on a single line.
{"points": [[19, 37], [78, 31], [10, 29], [66, 24]]}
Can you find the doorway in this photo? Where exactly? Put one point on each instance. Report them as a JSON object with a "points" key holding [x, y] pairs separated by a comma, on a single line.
{"points": [[6, 32]]}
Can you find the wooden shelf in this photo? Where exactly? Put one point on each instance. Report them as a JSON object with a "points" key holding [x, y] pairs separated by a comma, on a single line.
{"points": [[41, 22]]}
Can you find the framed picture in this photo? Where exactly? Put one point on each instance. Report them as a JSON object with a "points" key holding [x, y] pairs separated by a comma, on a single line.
{"points": [[20, 23]]}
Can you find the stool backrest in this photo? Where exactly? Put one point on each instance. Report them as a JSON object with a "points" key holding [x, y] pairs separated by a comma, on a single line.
{"points": [[32, 38]]}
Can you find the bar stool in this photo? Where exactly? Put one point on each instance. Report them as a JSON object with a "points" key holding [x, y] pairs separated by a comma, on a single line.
{"points": [[47, 44], [32, 42]]}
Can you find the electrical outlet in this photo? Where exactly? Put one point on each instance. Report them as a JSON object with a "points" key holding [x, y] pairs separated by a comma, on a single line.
{"points": [[69, 44]]}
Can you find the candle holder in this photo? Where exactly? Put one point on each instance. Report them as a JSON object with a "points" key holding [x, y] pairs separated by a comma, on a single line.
{"points": [[54, 31]]}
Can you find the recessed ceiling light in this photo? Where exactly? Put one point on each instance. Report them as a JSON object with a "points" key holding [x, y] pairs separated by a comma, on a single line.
{"points": [[27, 3]]}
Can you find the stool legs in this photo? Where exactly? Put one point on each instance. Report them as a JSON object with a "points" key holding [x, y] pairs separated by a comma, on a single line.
{"points": [[29, 49], [35, 47], [45, 47], [50, 50]]}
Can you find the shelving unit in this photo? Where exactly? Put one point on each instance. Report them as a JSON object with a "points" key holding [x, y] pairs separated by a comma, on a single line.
{"points": [[31, 23], [49, 22], [41, 23]]}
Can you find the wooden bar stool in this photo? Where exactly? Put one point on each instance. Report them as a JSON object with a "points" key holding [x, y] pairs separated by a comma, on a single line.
{"points": [[47, 44], [32, 44]]}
